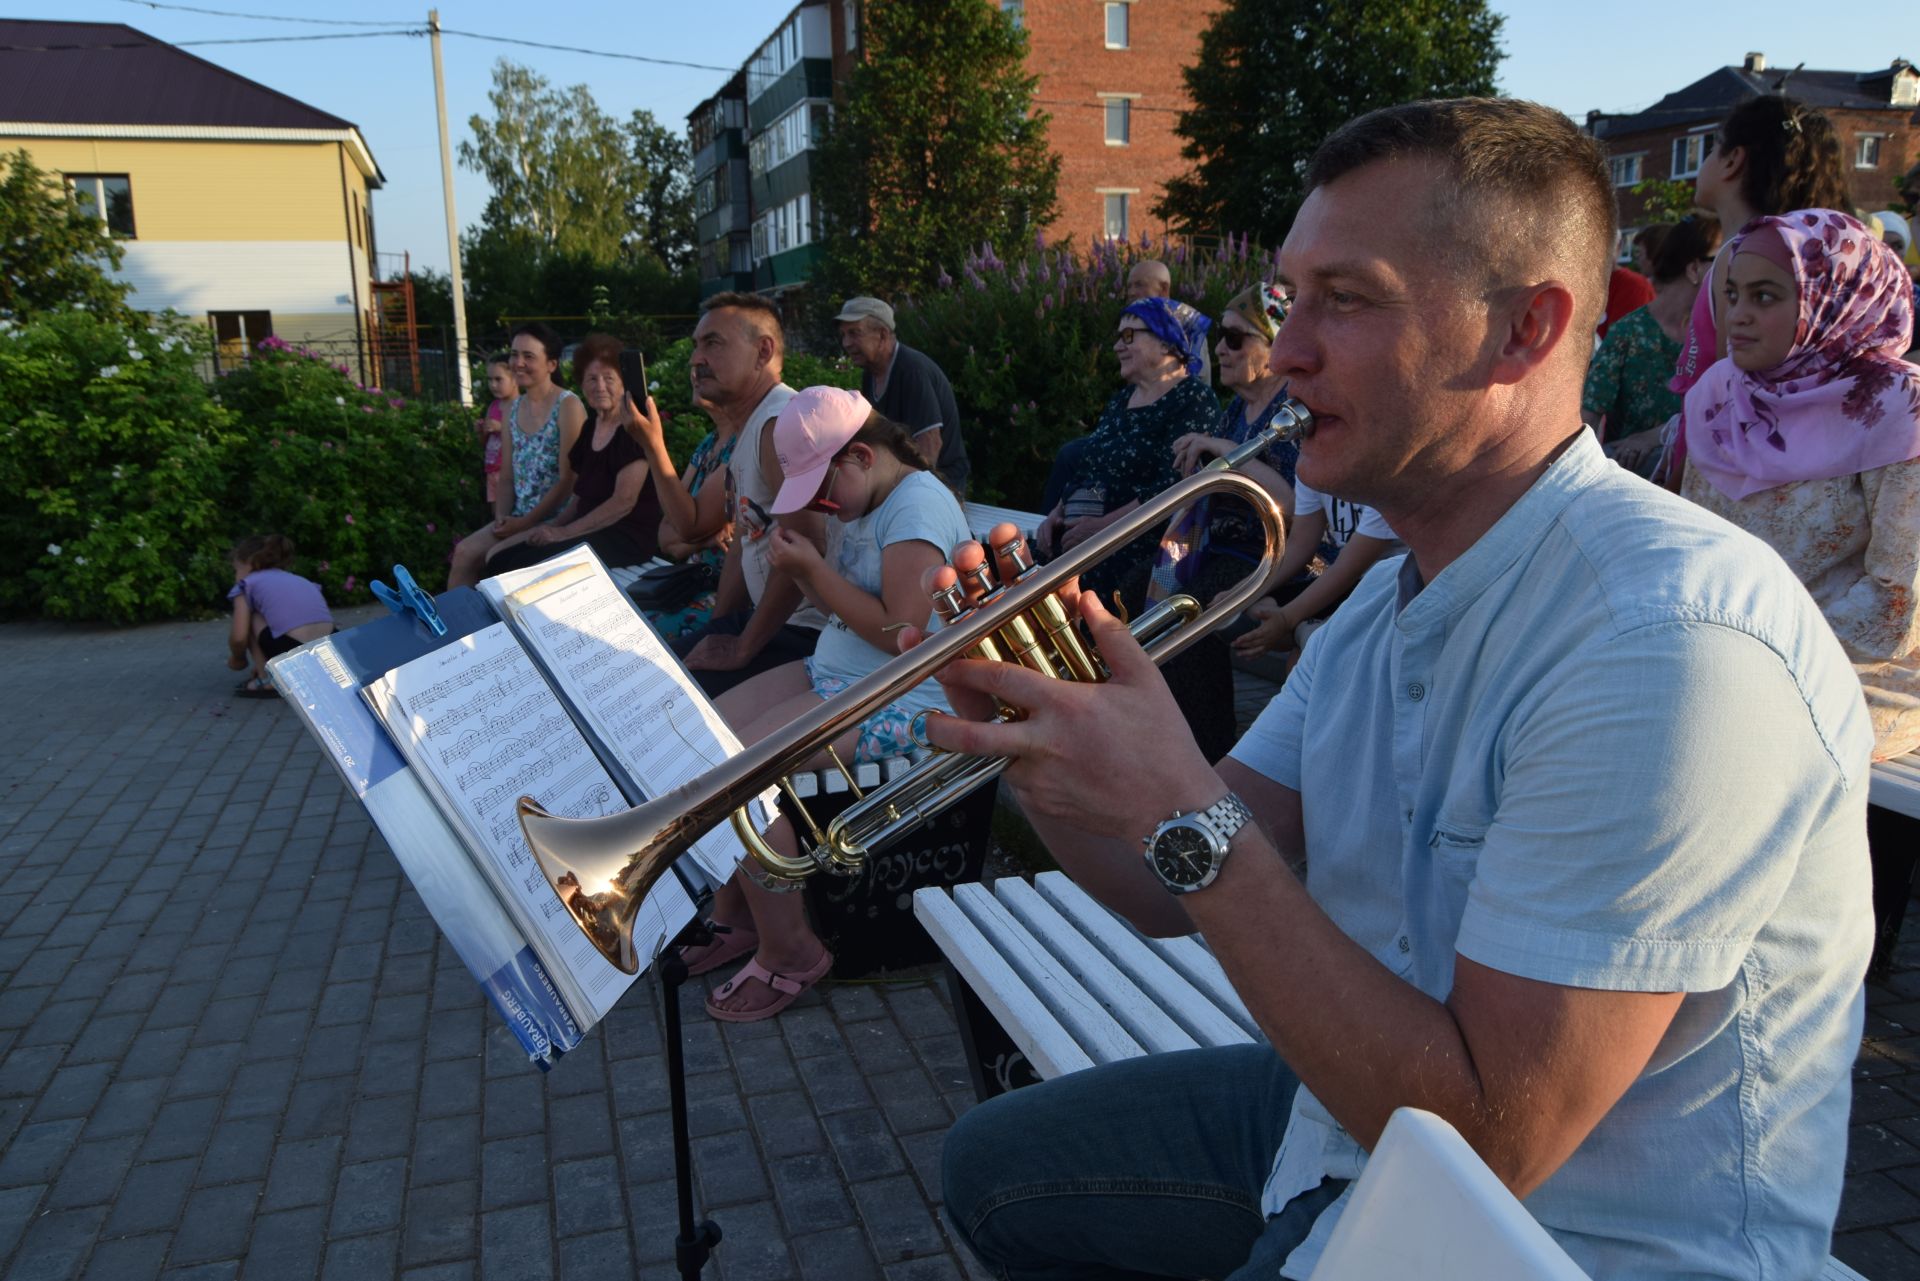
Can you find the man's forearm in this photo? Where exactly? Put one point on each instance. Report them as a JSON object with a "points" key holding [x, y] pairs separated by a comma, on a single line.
{"points": [[730, 596], [776, 606], [928, 442]]}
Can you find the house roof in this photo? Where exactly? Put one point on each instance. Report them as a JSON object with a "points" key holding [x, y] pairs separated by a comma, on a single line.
{"points": [[85, 78], [1709, 98]]}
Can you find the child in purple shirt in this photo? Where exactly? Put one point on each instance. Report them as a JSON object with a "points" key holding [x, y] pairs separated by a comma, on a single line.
{"points": [[273, 610]]}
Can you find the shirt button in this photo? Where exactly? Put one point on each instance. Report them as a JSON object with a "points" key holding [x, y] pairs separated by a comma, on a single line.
{"points": [[1416, 691], [1404, 945]]}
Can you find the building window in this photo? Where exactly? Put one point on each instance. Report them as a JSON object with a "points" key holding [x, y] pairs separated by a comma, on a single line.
{"points": [[111, 197], [1866, 150], [1623, 244], [1016, 11], [850, 22], [1117, 17], [1688, 152], [1116, 215], [1625, 169], [1119, 122], [236, 333]]}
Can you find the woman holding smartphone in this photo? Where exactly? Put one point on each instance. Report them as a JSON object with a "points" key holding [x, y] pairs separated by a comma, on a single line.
{"points": [[615, 508]]}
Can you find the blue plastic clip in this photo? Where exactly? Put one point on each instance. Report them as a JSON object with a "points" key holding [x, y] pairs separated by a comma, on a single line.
{"points": [[409, 599]]}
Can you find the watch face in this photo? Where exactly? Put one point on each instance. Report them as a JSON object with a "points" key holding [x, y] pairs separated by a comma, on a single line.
{"points": [[1182, 854]]}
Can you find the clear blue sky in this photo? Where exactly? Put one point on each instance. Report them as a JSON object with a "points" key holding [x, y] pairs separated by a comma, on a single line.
{"points": [[1616, 56]]}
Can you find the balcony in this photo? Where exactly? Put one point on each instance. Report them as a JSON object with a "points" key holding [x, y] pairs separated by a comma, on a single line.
{"points": [[808, 78], [728, 144]]}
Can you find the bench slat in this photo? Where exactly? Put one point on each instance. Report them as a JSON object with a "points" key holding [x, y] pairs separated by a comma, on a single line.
{"points": [[1094, 1030], [1196, 965], [1895, 785], [1136, 1011], [1050, 1047], [1117, 940]]}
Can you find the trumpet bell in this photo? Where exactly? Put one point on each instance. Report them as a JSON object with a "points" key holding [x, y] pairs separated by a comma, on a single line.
{"points": [[601, 868]]}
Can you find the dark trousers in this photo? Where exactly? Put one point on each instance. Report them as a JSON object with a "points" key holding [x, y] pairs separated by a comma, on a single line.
{"points": [[788, 645], [616, 545], [1894, 840]]}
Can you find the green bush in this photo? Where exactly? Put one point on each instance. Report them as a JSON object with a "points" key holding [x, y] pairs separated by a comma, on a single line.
{"points": [[1028, 344], [358, 479], [130, 477], [116, 466]]}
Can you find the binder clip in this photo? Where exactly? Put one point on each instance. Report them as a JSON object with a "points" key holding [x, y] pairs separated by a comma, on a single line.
{"points": [[408, 599]]}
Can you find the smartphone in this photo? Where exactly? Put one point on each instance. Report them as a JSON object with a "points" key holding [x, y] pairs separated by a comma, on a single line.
{"points": [[633, 372]]}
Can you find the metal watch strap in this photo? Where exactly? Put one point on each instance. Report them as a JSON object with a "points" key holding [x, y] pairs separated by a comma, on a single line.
{"points": [[1226, 817]]}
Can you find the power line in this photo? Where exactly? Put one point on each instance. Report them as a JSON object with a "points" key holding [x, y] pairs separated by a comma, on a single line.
{"points": [[592, 53], [188, 44], [256, 17]]}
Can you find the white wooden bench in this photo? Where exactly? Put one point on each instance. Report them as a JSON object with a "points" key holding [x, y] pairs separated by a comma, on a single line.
{"points": [[1896, 785], [982, 517], [1047, 981]]}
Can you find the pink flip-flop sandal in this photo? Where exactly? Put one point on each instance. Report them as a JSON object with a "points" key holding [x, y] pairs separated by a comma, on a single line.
{"points": [[785, 988], [724, 948]]}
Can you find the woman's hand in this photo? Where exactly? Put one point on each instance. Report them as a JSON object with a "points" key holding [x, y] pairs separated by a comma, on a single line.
{"points": [[508, 526], [545, 534], [648, 428], [1195, 449], [1081, 530], [1274, 631], [794, 554]]}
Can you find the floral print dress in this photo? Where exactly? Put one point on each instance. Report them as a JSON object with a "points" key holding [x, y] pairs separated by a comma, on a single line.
{"points": [[1628, 378], [536, 458], [706, 461]]}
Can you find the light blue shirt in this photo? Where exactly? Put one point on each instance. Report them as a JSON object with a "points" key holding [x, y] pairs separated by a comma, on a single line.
{"points": [[920, 509], [1615, 746]]}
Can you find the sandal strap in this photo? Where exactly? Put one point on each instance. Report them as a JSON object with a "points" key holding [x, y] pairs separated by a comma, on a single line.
{"points": [[754, 970]]}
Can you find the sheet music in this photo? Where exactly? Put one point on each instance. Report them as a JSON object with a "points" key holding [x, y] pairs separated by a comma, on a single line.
{"points": [[616, 670], [477, 719]]}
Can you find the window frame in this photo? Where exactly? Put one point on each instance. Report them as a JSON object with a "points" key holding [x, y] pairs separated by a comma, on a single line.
{"points": [[1125, 103], [1636, 160], [1689, 142], [1016, 11], [1108, 11], [1860, 143], [97, 195], [1106, 214]]}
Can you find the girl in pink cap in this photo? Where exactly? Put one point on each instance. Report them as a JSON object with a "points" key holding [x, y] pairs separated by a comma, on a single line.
{"points": [[1808, 435], [898, 522]]}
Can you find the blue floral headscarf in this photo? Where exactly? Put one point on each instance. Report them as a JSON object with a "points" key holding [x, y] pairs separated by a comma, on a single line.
{"points": [[1177, 325]]}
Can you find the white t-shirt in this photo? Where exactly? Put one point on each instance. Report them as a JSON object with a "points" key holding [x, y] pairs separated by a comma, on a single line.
{"points": [[920, 509], [1344, 519]]}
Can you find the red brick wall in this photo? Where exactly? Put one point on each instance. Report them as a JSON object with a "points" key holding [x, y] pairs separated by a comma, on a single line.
{"points": [[1067, 51]]}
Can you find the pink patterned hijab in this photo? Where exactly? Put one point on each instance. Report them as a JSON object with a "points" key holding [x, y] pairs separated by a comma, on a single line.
{"points": [[1843, 401]]}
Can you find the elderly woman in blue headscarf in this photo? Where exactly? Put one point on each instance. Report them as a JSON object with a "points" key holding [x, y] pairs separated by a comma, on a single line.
{"points": [[1129, 458]]}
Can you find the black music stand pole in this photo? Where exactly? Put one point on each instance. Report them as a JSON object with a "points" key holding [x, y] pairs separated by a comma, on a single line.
{"points": [[696, 1240]]}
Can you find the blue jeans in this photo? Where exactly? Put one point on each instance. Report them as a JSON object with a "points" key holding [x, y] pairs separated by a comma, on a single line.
{"points": [[1151, 1167]]}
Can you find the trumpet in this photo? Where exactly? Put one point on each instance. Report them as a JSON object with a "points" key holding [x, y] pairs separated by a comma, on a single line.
{"points": [[602, 868]]}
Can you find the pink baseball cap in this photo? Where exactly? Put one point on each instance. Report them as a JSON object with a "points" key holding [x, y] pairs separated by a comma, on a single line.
{"points": [[815, 425]]}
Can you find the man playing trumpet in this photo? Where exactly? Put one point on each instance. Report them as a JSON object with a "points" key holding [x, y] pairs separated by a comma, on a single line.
{"points": [[1557, 829]]}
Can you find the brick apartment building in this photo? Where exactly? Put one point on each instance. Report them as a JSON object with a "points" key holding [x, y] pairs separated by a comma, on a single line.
{"points": [[1109, 74], [1875, 113]]}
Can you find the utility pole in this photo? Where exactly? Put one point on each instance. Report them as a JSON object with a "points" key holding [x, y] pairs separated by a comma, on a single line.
{"points": [[453, 222]]}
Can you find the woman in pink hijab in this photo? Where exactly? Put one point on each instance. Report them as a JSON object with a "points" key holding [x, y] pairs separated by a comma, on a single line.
{"points": [[1808, 435]]}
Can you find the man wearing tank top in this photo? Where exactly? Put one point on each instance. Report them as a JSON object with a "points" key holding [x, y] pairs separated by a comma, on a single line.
{"points": [[760, 619]]}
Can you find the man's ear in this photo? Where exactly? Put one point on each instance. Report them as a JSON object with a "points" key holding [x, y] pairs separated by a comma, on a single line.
{"points": [[1529, 327]]}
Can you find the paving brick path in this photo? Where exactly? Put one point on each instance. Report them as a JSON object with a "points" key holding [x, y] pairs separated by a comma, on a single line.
{"points": [[233, 1044]]}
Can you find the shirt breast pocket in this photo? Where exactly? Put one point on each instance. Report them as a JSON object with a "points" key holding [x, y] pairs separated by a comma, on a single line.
{"points": [[1455, 847]]}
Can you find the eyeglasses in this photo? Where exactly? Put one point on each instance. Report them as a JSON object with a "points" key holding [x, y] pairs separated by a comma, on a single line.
{"points": [[821, 502], [1235, 339], [1127, 335]]}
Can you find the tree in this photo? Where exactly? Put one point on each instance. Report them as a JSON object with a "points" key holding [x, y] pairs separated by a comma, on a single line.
{"points": [[54, 249], [1665, 199], [660, 207], [935, 150], [1272, 78], [559, 166]]}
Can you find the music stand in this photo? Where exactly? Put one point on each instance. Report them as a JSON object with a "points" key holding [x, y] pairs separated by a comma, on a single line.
{"points": [[694, 1245]]}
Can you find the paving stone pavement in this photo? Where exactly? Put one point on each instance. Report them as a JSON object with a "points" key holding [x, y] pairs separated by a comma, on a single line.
{"points": [[232, 1042]]}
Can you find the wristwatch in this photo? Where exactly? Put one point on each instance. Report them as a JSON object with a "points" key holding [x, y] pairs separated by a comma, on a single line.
{"points": [[1187, 851]]}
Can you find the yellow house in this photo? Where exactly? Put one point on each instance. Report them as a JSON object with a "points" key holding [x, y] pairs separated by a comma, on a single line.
{"points": [[237, 204]]}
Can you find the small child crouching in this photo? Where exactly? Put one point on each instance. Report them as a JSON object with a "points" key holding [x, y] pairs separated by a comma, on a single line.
{"points": [[274, 610]]}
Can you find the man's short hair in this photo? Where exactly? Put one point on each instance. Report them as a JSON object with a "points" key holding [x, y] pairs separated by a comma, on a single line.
{"points": [[758, 313], [1524, 173]]}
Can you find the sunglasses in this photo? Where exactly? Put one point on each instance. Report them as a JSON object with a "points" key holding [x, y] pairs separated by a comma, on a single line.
{"points": [[821, 503], [1127, 336], [1235, 339]]}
